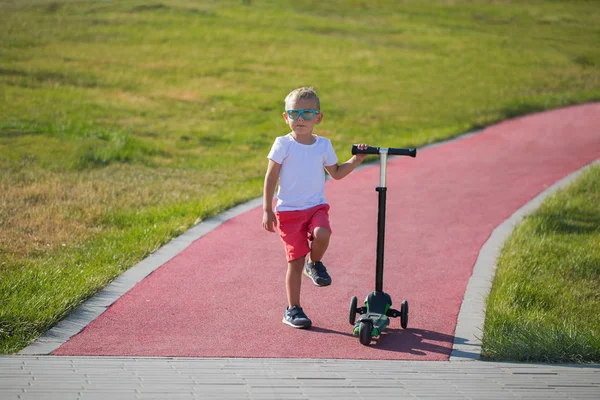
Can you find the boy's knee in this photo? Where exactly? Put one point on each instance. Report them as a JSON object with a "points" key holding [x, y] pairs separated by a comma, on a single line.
{"points": [[322, 234], [297, 264]]}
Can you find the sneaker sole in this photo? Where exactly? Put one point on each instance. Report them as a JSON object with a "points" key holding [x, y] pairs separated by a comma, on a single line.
{"points": [[313, 281], [295, 326]]}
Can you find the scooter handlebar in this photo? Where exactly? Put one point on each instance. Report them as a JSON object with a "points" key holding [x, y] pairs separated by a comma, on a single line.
{"points": [[391, 151]]}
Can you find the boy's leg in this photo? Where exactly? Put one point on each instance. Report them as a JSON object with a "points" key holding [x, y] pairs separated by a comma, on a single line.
{"points": [[320, 244], [294, 316], [293, 281], [320, 233]]}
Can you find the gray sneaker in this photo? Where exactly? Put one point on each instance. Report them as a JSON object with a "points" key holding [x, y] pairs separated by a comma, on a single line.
{"points": [[296, 318], [318, 273]]}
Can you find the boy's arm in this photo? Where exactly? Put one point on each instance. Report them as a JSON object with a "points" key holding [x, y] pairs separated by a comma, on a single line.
{"points": [[339, 171], [271, 178]]}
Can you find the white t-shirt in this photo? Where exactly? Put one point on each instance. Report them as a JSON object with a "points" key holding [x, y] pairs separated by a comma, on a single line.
{"points": [[302, 177]]}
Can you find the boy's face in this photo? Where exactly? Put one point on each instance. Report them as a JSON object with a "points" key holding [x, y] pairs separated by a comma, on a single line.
{"points": [[302, 126]]}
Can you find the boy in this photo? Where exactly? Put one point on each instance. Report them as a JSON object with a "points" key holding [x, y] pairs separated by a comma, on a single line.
{"points": [[301, 214]]}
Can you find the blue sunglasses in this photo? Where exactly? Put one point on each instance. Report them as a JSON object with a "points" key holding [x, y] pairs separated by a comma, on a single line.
{"points": [[306, 115]]}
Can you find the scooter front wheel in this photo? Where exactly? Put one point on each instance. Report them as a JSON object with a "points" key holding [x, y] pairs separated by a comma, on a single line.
{"points": [[352, 314], [404, 314], [364, 332]]}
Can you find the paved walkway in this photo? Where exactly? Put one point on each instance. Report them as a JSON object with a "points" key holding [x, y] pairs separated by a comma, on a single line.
{"points": [[64, 378], [544, 148]]}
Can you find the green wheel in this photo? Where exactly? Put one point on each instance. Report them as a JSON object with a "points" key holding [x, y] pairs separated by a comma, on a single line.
{"points": [[404, 314], [352, 314], [364, 332]]}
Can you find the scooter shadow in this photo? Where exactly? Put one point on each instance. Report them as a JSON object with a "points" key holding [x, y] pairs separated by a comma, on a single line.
{"points": [[414, 341]]}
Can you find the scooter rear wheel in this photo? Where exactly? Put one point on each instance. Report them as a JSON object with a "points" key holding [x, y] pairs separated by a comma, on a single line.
{"points": [[364, 332], [352, 314], [404, 314]]}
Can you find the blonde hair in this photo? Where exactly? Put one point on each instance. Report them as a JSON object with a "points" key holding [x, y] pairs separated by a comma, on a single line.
{"points": [[303, 93]]}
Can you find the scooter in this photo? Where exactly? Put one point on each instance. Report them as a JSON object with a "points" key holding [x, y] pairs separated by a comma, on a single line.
{"points": [[376, 313]]}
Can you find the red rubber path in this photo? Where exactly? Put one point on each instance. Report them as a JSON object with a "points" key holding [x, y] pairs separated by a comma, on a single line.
{"points": [[224, 295]]}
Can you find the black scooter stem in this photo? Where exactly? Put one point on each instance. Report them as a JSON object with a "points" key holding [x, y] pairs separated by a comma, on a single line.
{"points": [[382, 190], [380, 238]]}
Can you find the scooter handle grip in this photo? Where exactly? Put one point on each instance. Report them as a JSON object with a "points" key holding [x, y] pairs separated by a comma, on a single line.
{"points": [[391, 151]]}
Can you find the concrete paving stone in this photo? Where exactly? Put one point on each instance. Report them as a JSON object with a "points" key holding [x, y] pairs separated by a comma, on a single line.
{"points": [[331, 385], [5, 391], [217, 395], [59, 381], [165, 371], [164, 378], [222, 388], [156, 374], [434, 384], [362, 375], [51, 361], [62, 396], [113, 362], [275, 389], [149, 369], [581, 386], [50, 390], [211, 372], [536, 396], [5, 369], [149, 385], [6, 381], [281, 392], [590, 392], [317, 378], [449, 396], [473, 390], [533, 391], [275, 382], [367, 381], [161, 396], [191, 365], [53, 387], [215, 372], [49, 370], [312, 390], [278, 397], [113, 378], [218, 382], [166, 391], [103, 371], [527, 386], [102, 396], [317, 375], [368, 391], [440, 394], [111, 387]]}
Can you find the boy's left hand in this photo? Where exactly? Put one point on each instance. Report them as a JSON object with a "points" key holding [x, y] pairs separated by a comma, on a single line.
{"points": [[361, 157]]}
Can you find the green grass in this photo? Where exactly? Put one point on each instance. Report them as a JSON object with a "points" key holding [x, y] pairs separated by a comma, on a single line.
{"points": [[124, 122], [546, 294]]}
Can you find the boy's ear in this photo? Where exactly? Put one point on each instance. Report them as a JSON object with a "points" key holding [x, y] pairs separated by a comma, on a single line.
{"points": [[319, 118]]}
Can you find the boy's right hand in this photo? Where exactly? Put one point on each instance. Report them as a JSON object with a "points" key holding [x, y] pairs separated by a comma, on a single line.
{"points": [[269, 221]]}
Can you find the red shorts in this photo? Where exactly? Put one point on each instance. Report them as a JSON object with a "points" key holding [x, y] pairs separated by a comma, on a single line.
{"points": [[296, 228]]}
